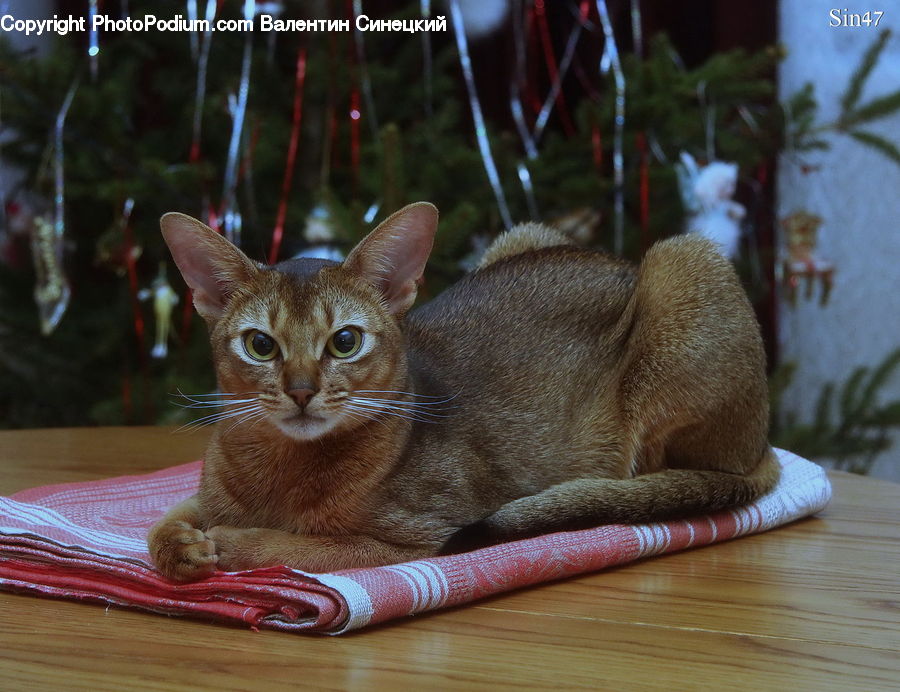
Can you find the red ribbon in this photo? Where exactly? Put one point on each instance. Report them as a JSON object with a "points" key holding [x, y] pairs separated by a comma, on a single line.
{"points": [[287, 179], [552, 68], [531, 96], [137, 315], [597, 147], [133, 286], [354, 137]]}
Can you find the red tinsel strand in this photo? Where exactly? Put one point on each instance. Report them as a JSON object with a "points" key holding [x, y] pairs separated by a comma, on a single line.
{"points": [[597, 147], [641, 142], [247, 158], [287, 179], [530, 93], [552, 68], [188, 309], [212, 219], [355, 117], [131, 266], [194, 156]]}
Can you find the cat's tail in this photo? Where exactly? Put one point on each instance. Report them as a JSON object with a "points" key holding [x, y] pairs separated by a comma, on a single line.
{"points": [[588, 502]]}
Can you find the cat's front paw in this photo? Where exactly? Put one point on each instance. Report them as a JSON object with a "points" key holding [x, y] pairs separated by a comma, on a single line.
{"points": [[181, 552], [237, 549]]}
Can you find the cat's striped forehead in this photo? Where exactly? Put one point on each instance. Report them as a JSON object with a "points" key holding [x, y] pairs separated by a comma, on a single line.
{"points": [[304, 306]]}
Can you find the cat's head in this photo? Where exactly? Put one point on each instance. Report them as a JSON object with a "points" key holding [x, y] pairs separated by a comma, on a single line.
{"points": [[307, 345]]}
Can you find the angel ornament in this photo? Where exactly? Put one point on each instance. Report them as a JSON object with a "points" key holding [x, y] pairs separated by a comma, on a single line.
{"points": [[706, 192], [164, 300]]}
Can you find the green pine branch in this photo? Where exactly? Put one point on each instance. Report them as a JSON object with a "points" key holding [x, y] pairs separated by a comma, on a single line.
{"points": [[854, 431], [862, 72]]}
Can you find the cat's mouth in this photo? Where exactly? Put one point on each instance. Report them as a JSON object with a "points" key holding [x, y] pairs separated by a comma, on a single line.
{"points": [[302, 425], [301, 417]]}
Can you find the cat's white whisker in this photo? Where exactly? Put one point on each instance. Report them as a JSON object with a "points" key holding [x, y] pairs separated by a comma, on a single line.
{"points": [[411, 404], [216, 417], [246, 418], [362, 417], [391, 407], [424, 407], [215, 399], [178, 392], [359, 414], [214, 404], [395, 391], [390, 411]]}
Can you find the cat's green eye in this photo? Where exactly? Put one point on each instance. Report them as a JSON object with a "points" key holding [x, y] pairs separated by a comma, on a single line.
{"points": [[345, 342], [259, 345]]}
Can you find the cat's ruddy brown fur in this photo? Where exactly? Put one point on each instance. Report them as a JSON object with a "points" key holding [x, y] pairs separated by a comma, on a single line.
{"points": [[553, 388]]}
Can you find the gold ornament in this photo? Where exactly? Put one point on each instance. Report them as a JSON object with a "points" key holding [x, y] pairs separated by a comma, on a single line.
{"points": [[51, 291], [802, 262]]}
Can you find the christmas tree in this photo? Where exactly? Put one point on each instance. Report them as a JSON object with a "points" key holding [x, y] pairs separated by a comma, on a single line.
{"points": [[284, 141]]}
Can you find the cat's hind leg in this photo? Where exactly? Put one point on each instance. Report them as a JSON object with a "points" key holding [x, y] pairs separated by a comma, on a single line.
{"points": [[522, 238], [588, 502]]}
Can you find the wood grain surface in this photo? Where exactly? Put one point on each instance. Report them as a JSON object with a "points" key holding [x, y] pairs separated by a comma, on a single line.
{"points": [[810, 606]]}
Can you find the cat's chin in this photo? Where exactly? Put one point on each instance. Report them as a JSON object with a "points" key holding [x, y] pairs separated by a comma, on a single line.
{"points": [[305, 427]]}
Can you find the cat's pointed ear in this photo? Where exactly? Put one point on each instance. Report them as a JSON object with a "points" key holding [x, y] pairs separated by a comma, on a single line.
{"points": [[210, 265], [393, 256]]}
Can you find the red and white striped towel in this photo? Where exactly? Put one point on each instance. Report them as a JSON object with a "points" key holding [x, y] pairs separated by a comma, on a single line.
{"points": [[86, 541]]}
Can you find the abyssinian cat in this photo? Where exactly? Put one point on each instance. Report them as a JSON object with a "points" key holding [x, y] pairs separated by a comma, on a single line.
{"points": [[552, 388]]}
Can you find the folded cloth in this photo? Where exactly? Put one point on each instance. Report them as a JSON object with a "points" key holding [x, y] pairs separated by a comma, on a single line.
{"points": [[86, 541]]}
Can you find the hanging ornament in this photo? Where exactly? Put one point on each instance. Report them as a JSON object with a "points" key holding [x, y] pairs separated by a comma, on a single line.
{"points": [[481, 17], [706, 192], [581, 225], [801, 261], [51, 291], [484, 145], [319, 225], [116, 249], [164, 300], [237, 106], [319, 232], [610, 61]]}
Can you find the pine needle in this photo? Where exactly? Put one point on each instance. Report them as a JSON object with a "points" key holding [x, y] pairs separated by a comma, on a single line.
{"points": [[862, 72]]}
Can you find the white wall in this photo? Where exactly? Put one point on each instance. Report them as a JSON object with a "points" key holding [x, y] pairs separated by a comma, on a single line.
{"points": [[857, 193]]}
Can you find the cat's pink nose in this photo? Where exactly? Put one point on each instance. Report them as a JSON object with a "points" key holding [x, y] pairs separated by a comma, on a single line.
{"points": [[301, 396]]}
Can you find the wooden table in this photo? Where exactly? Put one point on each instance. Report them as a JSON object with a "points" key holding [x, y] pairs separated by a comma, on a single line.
{"points": [[811, 606]]}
